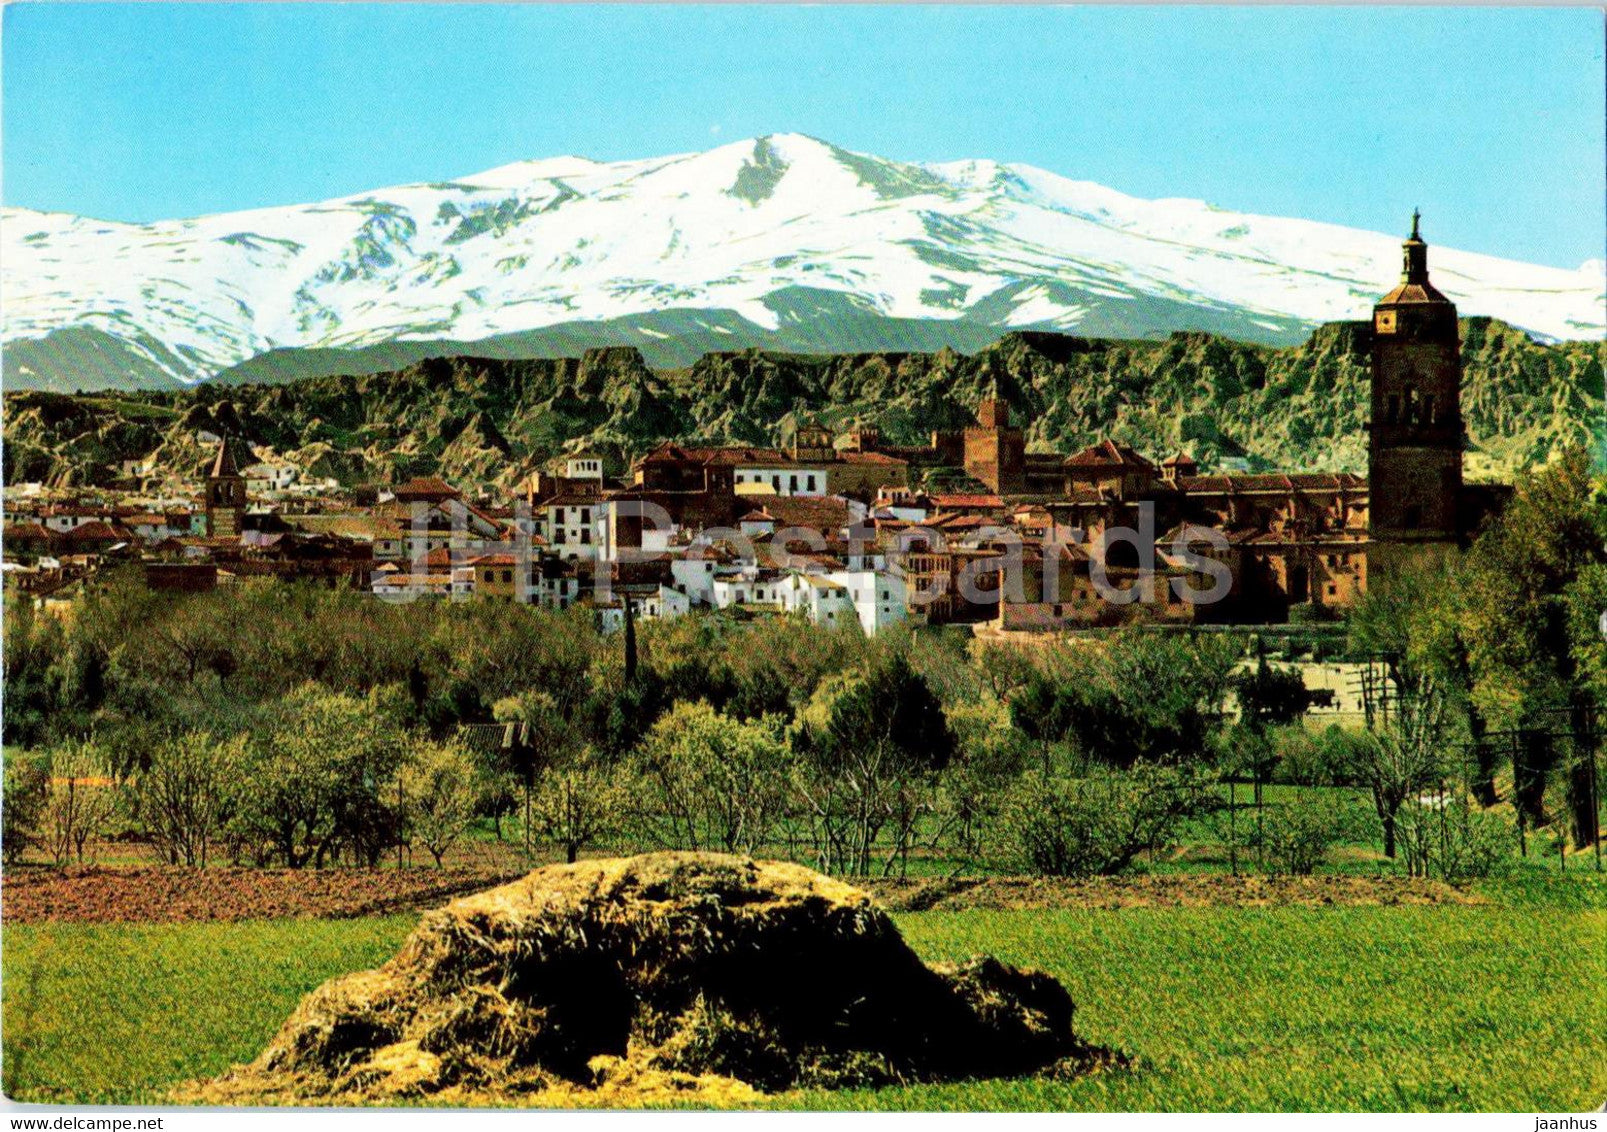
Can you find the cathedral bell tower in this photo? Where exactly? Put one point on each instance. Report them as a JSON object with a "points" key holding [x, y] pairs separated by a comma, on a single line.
{"points": [[1414, 447], [225, 495]]}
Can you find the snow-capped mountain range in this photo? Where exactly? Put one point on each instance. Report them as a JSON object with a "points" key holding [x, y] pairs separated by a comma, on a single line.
{"points": [[783, 241]]}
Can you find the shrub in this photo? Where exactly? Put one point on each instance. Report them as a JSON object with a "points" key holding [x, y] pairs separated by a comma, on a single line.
{"points": [[1307, 613], [1097, 824], [1459, 844], [1303, 757], [1296, 835]]}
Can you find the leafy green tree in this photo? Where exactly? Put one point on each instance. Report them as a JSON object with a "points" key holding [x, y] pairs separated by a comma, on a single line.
{"points": [[22, 803], [1527, 594], [321, 781], [33, 644], [581, 802], [551, 741], [990, 754], [1044, 711], [1138, 697], [873, 741], [719, 782], [1270, 696], [439, 790]]}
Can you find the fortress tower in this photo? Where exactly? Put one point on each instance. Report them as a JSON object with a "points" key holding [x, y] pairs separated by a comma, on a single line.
{"points": [[995, 450], [1414, 448]]}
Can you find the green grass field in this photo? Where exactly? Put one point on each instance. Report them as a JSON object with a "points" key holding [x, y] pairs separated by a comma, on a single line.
{"points": [[1491, 1007]]}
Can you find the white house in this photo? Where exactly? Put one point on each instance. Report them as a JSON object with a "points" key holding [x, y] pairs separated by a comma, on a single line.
{"points": [[664, 602], [840, 597], [748, 586], [584, 466], [551, 584], [779, 480], [270, 476], [573, 525], [879, 597], [694, 577], [822, 600]]}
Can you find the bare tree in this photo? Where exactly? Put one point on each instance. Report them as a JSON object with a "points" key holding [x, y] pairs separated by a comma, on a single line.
{"points": [[79, 801], [1401, 753]]}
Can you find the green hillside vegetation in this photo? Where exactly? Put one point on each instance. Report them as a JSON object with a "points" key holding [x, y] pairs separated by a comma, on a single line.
{"points": [[485, 421]]}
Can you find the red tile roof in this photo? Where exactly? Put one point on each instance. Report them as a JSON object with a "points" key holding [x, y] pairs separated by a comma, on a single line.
{"points": [[426, 487], [97, 531], [961, 499], [821, 514], [1108, 454]]}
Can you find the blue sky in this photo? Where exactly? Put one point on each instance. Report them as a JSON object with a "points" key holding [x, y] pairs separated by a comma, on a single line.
{"points": [[1491, 120]]}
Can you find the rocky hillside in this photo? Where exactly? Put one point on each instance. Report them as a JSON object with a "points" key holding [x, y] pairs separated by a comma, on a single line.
{"points": [[490, 421]]}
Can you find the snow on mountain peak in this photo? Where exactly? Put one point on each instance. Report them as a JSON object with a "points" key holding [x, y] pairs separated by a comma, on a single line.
{"points": [[780, 234]]}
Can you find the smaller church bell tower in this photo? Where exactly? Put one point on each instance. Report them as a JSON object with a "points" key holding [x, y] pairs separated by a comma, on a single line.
{"points": [[225, 495], [1415, 437]]}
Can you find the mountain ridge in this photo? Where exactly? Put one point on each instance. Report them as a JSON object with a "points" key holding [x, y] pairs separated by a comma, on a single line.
{"points": [[488, 422], [780, 242]]}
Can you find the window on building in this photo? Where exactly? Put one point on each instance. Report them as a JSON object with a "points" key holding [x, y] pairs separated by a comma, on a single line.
{"points": [[585, 514], [585, 535], [1333, 591], [507, 575], [792, 483], [811, 482]]}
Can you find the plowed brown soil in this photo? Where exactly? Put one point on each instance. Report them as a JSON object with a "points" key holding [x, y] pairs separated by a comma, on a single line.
{"points": [[1181, 890], [178, 895]]}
